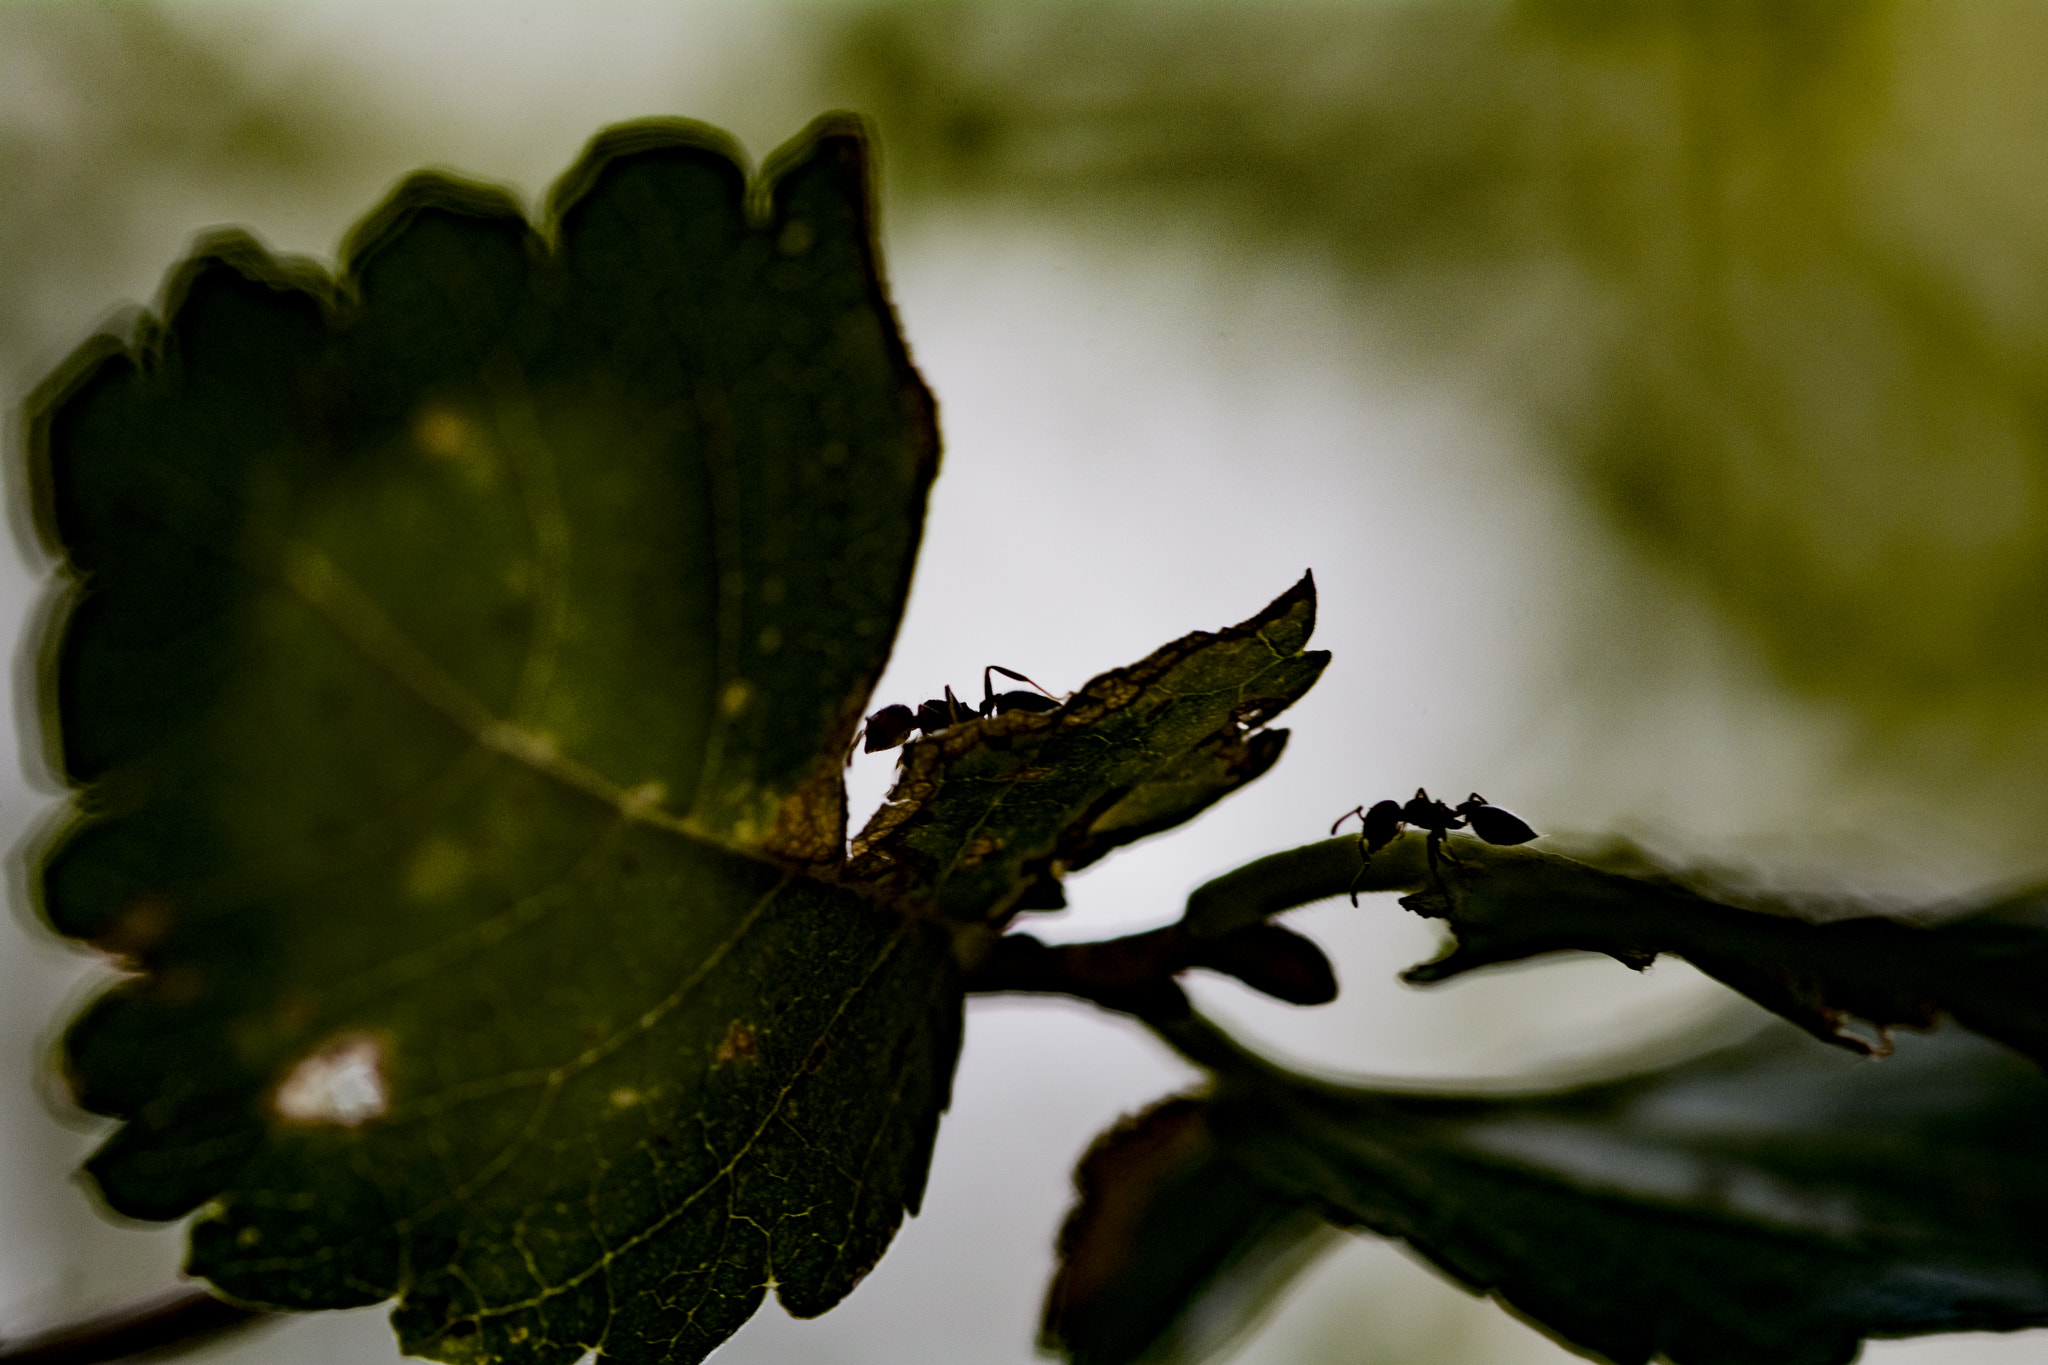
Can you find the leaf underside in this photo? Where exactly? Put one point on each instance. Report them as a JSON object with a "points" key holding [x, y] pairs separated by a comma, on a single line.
{"points": [[1172, 1251], [1770, 1204], [460, 660]]}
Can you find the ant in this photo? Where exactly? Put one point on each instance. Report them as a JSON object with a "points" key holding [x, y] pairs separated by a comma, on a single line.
{"points": [[892, 725], [1378, 826]]}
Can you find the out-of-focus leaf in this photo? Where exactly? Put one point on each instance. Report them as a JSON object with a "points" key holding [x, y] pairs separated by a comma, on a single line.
{"points": [[988, 812], [1171, 1251], [1825, 973], [1774, 1203], [460, 660]]}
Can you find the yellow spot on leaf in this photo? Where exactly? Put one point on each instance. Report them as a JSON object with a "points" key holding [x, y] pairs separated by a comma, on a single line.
{"points": [[644, 799], [625, 1097], [439, 866], [734, 698], [441, 433], [448, 437], [537, 747]]}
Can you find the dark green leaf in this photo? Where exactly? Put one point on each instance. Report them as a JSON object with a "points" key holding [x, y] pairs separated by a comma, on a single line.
{"points": [[987, 812], [1823, 967], [460, 661], [1773, 1203]]}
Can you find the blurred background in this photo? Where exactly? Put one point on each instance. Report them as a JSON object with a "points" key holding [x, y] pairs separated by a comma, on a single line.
{"points": [[1658, 391]]}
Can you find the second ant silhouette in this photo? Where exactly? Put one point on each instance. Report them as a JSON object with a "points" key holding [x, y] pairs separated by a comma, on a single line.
{"points": [[892, 725], [1378, 826]]}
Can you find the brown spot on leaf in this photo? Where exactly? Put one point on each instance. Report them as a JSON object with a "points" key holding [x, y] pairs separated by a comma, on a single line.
{"points": [[810, 824], [737, 1045], [140, 925]]}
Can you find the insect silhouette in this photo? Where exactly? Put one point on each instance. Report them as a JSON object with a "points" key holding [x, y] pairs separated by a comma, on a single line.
{"points": [[893, 725], [1378, 825]]}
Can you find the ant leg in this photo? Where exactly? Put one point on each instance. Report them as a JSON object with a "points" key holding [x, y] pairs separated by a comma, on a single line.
{"points": [[1364, 847], [1364, 850], [1364, 866], [1434, 848]]}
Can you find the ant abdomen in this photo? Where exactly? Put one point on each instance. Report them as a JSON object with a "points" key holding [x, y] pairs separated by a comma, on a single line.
{"points": [[1494, 825]]}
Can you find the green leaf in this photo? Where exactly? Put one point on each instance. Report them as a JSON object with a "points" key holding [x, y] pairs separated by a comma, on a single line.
{"points": [[1825, 968], [1773, 1203], [458, 668], [987, 815]]}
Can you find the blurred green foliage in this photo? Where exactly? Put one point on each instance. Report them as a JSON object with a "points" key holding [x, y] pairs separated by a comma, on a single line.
{"points": [[107, 113], [1768, 276]]}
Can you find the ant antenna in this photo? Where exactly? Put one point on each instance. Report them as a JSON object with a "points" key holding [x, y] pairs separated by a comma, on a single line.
{"points": [[988, 689]]}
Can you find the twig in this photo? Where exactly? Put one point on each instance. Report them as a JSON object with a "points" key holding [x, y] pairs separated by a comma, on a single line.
{"points": [[167, 1325]]}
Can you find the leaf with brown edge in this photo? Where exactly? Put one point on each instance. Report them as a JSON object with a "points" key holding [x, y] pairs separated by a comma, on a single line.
{"points": [[989, 812], [1171, 1252]]}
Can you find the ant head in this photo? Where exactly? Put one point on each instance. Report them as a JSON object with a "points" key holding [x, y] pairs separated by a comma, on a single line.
{"points": [[1381, 823]]}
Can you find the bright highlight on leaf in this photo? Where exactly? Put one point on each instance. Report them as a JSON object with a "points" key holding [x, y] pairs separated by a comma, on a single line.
{"points": [[342, 1083]]}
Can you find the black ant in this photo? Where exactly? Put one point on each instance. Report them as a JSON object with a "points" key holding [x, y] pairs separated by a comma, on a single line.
{"points": [[1378, 826], [892, 725]]}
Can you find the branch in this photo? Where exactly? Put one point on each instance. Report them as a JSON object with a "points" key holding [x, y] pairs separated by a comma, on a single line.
{"points": [[168, 1325], [1135, 974]]}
